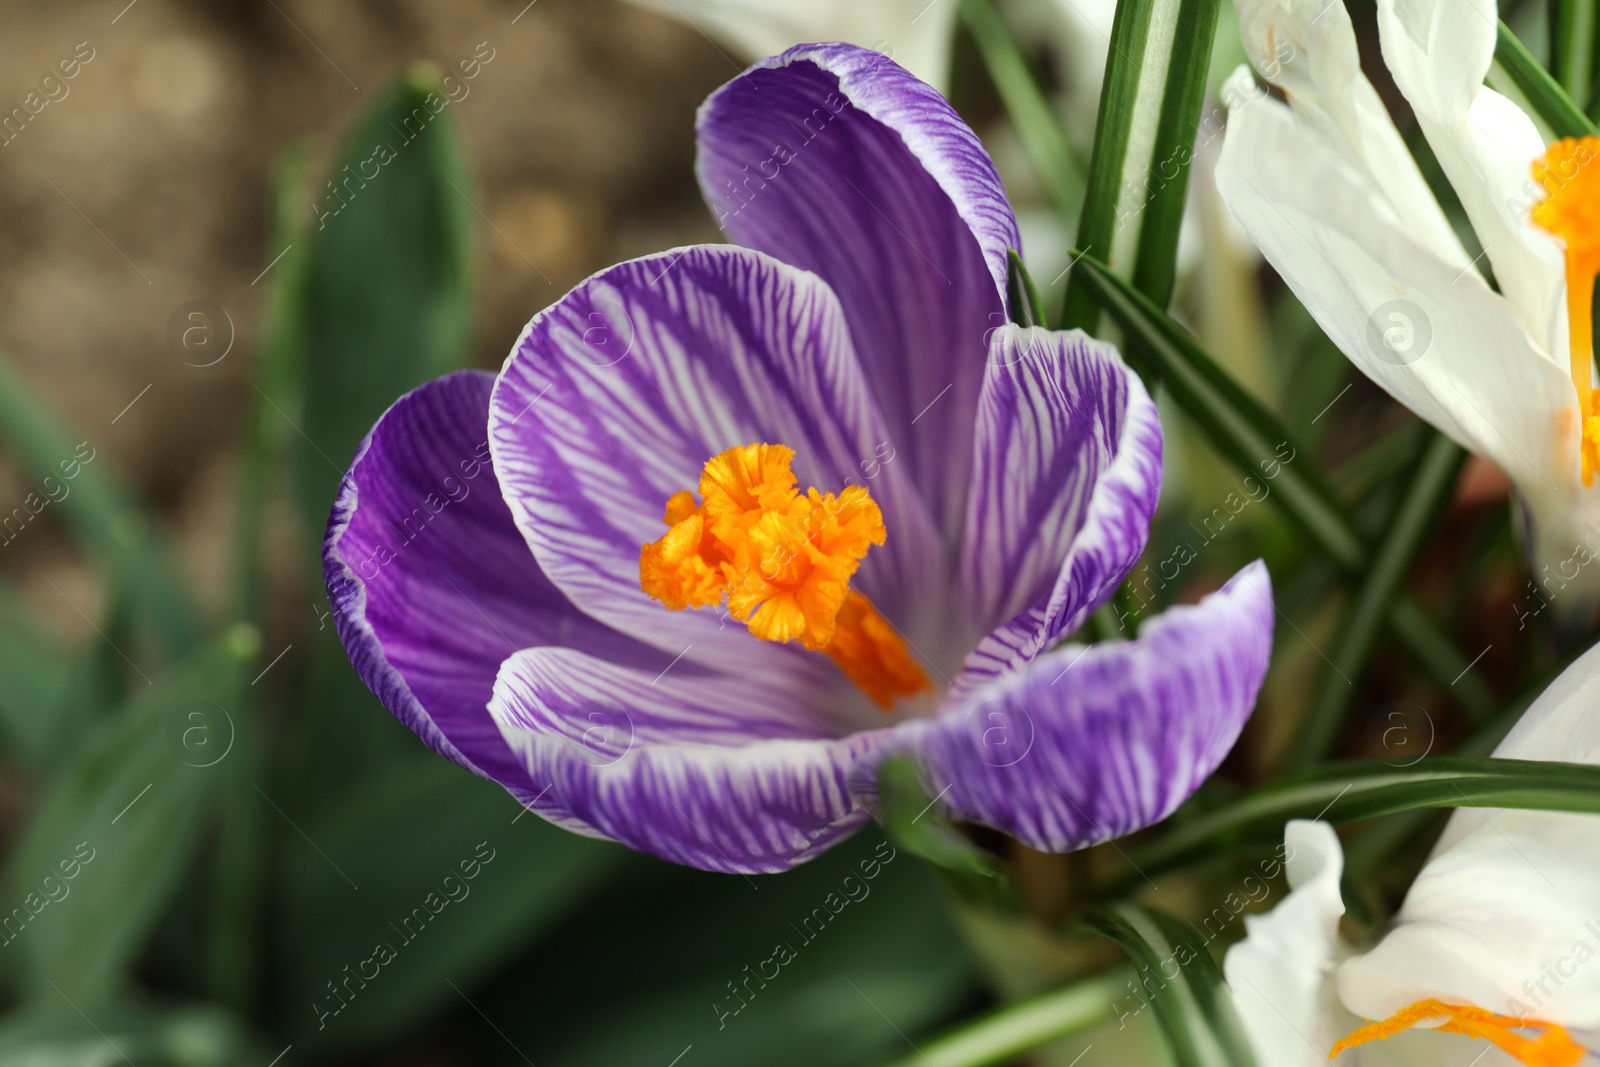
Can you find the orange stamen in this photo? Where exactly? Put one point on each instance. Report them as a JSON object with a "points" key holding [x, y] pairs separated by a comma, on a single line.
{"points": [[1571, 211], [1553, 1047], [783, 560]]}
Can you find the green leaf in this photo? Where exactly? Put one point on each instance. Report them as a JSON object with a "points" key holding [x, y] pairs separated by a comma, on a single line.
{"points": [[362, 870], [1149, 110], [1244, 431], [1572, 46], [1518, 74], [912, 821], [1023, 296], [1424, 498], [276, 374], [388, 298], [1005, 1034], [1365, 789], [123, 817], [34, 677], [97, 508], [653, 964], [1182, 982], [58, 1036], [1031, 111]]}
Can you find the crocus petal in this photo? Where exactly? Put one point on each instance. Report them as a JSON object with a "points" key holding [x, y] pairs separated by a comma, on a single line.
{"points": [[834, 159], [1091, 743], [1280, 974], [708, 770], [1307, 48], [915, 33], [1357, 267], [1439, 52], [431, 584], [616, 396], [1064, 483], [1508, 896]]}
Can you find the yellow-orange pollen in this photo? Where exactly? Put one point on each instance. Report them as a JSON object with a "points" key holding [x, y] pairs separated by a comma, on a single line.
{"points": [[783, 560], [1570, 174], [1553, 1047]]}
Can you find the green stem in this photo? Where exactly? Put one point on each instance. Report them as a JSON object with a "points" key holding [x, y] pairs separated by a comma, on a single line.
{"points": [[1425, 497], [1032, 114], [1018, 1028]]}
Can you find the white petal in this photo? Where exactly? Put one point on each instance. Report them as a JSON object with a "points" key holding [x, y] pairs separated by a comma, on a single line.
{"points": [[1282, 974], [1508, 918], [1562, 724], [1439, 52], [1279, 972], [1506, 915], [913, 33], [1464, 361], [1308, 49]]}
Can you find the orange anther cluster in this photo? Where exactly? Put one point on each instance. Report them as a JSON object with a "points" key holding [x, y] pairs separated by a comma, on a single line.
{"points": [[1553, 1047], [1570, 174], [783, 560]]}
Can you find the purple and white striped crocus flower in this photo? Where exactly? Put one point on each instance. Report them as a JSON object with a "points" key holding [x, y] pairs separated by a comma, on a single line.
{"points": [[484, 554]]}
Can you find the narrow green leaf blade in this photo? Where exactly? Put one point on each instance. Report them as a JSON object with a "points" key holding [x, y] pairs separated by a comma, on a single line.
{"points": [[1182, 982], [97, 507], [1572, 47], [1243, 430], [1005, 1034], [113, 834], [1421, 502], [1032, 113], [1149, 109], [1522, 73], [1365, 789], [388, 298], [1023, 296]]}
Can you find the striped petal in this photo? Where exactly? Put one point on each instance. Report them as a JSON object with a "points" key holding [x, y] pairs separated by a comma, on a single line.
{"points": [[1066, 474], [431, 584], [615, 397], [833, 158], [1091, 743], [712, 771]]}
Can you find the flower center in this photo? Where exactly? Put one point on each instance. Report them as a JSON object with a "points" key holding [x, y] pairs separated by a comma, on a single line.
{"points": [[1571, 211], [1553, 1047], [783, 561]]}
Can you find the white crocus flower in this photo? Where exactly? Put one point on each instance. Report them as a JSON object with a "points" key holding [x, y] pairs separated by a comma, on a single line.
{"points": [[1324, 185], [914, 33], [1495, 952]]}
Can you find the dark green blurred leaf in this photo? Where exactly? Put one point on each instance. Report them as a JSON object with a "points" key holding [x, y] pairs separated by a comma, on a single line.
{"points": [[98, 509], [57, 1036], [1192, 1003], [1522, 73], [1425, 496], [388, 296], [650, 967], [396, 844], [34, 679], [1004, 1034], [1247, 433], [123, 816], [1152, 94], [912, 821], [1032, 113], [1364, 789]]}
